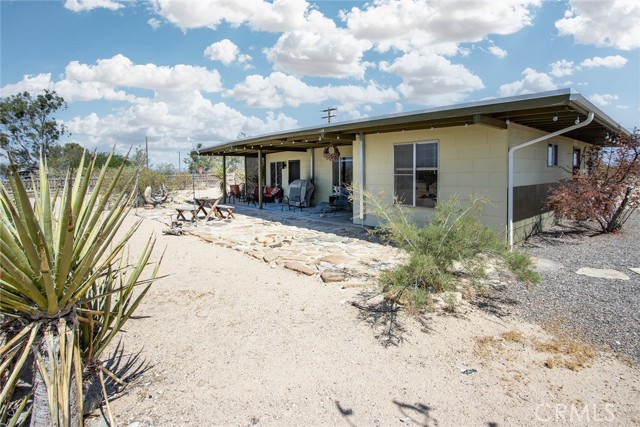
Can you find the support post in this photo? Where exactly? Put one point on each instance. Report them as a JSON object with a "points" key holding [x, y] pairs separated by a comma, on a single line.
{"points": [[224, 178], [260, 174]]}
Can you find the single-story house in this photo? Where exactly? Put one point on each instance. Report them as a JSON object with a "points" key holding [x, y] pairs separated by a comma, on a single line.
{"points": [[511, 150]]}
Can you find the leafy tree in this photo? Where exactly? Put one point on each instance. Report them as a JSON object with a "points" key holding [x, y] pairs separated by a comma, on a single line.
{"points": [[196, 160], [67, 287], [166, 169], [27, 128], [65, 157], [608, 190]]}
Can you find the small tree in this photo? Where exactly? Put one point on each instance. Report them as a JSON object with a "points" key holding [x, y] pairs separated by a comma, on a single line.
{"points": [[26, 126], [609, 189], [455, 234]]}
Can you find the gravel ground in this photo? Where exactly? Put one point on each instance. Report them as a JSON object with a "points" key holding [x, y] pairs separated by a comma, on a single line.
{"points": [[605, 312]]}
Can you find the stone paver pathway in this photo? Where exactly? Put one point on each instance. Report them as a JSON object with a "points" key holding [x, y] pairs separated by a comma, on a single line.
{"points": [[331, 247]]}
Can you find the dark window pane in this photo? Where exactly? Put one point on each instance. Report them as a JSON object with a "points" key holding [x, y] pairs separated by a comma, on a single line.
{"points": [[404, 189], [403, 158], [426, 156], [294, 170], [426, 188]]}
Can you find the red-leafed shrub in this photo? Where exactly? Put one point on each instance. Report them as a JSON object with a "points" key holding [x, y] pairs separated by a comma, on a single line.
{"points": [[607, 191]]}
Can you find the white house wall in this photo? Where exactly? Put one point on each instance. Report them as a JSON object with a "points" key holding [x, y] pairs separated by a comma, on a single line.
{"points": [[472, 161]]}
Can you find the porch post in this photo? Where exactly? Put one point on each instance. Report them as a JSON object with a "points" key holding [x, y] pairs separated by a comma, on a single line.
{"points": [[260, 173], [224, 178], [361, 213], [312, 162]]}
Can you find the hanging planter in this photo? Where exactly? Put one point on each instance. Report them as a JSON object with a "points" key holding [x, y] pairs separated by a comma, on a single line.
{"points": [[331, 153]]}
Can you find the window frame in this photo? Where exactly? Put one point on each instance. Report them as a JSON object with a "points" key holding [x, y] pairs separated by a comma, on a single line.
{"points": [[414, 171], [552, 155]]}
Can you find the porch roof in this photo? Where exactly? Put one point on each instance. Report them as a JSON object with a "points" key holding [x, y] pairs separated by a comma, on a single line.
{"points": [[546, 111]]}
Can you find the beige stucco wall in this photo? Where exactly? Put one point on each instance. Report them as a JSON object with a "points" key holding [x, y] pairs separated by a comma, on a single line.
{"points": [[322, 172], [305, 166], [472, 161]]}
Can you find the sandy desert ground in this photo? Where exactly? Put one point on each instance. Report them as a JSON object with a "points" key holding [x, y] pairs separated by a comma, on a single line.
{"points": [[229, 340]]}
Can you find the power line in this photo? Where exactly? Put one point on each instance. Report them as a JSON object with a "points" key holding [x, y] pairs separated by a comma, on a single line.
{"points": [[329, 116]]}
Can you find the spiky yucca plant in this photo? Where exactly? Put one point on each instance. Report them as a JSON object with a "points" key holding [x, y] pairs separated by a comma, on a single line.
{"points": [[66, 289]]}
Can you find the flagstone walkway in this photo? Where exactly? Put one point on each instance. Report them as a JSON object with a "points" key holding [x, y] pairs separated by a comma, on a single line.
{"points": [[330, 247]]}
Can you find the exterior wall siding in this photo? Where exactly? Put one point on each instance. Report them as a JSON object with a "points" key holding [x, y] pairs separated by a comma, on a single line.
{"points": [[472, 161], [305, 162], [533, 179]]}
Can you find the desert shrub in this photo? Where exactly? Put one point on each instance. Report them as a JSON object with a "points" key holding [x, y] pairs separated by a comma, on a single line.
{"points": [[455, 237], [608, 190]]}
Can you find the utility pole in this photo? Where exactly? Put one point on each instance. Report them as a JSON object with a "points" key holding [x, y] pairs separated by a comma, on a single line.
{"points": [[329, 116]]}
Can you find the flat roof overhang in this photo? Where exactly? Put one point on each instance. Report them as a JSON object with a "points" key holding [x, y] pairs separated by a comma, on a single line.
{"points": [[547, 112]]}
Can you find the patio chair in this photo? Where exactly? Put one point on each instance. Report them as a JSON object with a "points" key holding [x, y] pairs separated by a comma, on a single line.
{"points": [[234, 191]]}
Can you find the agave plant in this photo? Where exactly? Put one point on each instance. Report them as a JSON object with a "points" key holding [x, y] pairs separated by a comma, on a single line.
{"points": [[66, 289]]}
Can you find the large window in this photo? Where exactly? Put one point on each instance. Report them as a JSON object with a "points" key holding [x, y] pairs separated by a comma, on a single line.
{"points": [[415, 172], [276, 173], [343, 172]]}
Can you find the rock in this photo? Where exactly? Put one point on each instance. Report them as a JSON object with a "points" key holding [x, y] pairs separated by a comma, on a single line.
{"points": [[330, 276], [543, 264], [635, 269], [603, 273], [336, 259], [300, 268]]}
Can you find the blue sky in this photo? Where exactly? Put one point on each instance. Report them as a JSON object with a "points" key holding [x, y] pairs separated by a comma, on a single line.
{"points": [[182, 72]]}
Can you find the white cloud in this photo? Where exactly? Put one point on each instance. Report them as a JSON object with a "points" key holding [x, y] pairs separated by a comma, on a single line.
{"points": [[154, 23], [497, 52], [170, 122], [226, 52], [562, 68], [120, 71], [85, 5], [320, 49], [603, 23], [165, 104], [432, 79], [403, 24], [279, 89], [532, 82], [615, 61], [603, 100], [275, 91], [279, 15]]}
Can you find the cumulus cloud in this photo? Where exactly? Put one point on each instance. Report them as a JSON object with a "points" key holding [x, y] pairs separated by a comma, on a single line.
{"points": [[432, 79], [320, 49], [562, 68], [532, 82], [226, 52], [279, 90], [603, 23], [120, 71], [85, 5], [615, 61], [276, 16], [403, 24], [603, 100], [164, 104], [497, 51]]}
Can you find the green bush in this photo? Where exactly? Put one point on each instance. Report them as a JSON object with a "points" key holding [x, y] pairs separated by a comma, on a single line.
{"points": [[455, 237]]}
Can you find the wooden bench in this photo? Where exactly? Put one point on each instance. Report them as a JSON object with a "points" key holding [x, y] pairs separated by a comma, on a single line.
{"points": [[187, 208], [217, 210]]}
